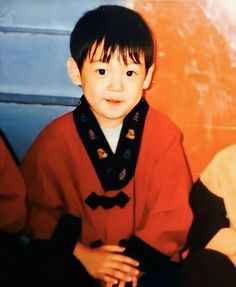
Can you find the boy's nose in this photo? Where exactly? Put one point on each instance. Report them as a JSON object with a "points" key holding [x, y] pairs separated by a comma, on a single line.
{"points": [[116, 84]]}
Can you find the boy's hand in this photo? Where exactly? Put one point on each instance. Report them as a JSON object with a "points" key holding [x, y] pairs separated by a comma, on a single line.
{"points": [[122, 284], [106, 263]]}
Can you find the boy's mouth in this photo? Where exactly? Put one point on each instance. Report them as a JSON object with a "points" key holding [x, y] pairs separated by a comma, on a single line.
{"points": [[113, 102]]}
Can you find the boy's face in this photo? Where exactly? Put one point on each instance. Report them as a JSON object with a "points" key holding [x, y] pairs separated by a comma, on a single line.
{"points": [[112, 89]]}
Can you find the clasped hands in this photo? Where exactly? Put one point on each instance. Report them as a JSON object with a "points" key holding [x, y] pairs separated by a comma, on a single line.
{"points": [[108, 265]]}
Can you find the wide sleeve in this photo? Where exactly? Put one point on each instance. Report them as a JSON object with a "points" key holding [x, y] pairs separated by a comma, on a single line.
{"points": [[211, 226], [213, 201], [12, 193], [168, 215], [209, 215], [49, 183]]}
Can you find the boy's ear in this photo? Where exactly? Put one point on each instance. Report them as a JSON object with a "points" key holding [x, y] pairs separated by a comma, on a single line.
{"points": [[73, 71], [148, 77]]}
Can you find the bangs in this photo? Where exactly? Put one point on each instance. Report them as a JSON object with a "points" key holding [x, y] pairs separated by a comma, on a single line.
{"points": [[108, 49]]}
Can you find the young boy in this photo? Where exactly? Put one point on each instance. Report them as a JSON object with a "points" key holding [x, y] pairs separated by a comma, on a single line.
{"points": [[212, 237], [109, 182]]}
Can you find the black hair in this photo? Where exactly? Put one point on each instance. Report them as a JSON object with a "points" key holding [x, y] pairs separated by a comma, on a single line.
{"points": [[117, 27]]}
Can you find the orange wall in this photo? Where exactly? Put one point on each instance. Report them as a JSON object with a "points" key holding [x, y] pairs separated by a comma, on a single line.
{"points": [[195, 79]]}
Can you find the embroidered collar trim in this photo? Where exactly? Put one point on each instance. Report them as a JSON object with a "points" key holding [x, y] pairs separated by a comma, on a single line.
{"points": [[113, 169]]}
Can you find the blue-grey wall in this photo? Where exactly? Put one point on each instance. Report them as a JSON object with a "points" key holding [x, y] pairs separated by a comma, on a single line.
{"points": [[34, 46]]}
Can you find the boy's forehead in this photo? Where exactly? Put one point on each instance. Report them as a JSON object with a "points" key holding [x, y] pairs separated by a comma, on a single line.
{"points": [[96, 54]]}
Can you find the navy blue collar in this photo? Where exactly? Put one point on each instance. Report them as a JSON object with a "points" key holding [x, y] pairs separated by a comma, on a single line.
{"points": [[114, 170]]}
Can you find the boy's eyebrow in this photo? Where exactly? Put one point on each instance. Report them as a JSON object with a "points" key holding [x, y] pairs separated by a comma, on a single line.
{"points": [[94, 61]]}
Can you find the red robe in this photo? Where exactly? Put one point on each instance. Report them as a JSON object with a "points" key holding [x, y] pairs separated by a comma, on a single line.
{"points": [[60, 176], [12, 193]]}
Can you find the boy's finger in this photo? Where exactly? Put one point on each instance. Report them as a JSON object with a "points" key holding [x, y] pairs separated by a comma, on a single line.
{"points": [[121, 283], [135, 283], [125, 259], [110, 281], [119, 275], [124, 268], [113, 248]]}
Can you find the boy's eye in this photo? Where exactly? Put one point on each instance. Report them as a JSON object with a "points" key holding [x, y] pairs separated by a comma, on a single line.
{"points": [[101, 71], [130, 73]]}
